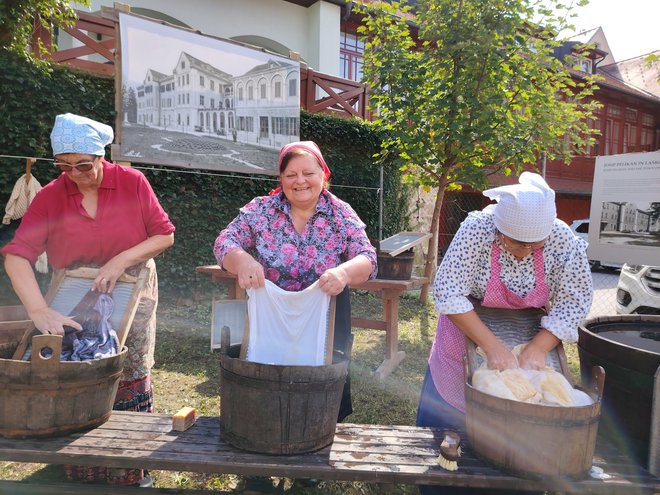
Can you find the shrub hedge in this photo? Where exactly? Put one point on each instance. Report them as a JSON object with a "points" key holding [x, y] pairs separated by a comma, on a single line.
{"points": [[200, 203]]}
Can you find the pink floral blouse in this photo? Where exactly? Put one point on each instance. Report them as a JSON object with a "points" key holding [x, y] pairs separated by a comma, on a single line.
{"points": [[294, 261]]}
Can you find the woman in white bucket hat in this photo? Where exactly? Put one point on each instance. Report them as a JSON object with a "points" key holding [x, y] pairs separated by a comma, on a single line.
{"points": [[514, 254]]}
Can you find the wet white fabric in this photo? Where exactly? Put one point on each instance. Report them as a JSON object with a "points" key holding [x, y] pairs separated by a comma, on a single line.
{"points": [[288, 328], [526, 211]]}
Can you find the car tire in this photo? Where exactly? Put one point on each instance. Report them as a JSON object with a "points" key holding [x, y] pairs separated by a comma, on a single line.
{"points": [[594, 265]]}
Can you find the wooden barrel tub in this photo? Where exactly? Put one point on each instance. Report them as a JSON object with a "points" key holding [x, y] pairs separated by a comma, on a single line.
{"points": [[628, 348]]}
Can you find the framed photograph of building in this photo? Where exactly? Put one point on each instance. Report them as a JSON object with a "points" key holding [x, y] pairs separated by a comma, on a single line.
{"points": [[196, 101]]}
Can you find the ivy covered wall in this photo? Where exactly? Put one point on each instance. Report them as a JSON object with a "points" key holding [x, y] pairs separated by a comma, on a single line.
{"points": [[200, 203]]}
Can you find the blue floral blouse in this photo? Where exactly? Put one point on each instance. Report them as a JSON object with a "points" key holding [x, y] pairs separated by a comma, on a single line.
{"points": [[465, 270], [264, 228]]}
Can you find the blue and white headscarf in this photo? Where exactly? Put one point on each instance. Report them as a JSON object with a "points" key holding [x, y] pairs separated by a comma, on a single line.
{"points": [[75, 134]]}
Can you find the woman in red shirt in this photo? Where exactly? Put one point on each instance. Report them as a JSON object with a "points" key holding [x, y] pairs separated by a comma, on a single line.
{"points": [[94, 214]]}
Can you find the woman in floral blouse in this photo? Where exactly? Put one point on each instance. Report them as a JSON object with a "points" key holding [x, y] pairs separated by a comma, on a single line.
{"points": [[299, 234]]}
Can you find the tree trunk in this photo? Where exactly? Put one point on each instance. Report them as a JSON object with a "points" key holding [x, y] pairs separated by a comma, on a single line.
{"points": [[432, 252]]}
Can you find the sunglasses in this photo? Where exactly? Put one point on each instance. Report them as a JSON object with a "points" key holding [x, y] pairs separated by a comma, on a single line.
{"points": [[80, 167], [513, 245]]}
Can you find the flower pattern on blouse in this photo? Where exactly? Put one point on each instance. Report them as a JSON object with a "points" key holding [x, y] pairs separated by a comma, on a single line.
{"points": [[465, 270], [291, 260]]}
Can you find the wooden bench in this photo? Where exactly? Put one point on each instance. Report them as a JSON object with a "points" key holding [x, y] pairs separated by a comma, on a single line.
{"points": [[388, 290], [370, 453]]}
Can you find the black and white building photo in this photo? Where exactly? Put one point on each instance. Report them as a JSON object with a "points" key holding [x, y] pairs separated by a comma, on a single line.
{"points": [[195, 101]]}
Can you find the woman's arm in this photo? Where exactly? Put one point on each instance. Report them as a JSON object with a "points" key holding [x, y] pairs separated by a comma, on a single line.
{"points": [[248, 271], [109, 273], [45, 319], [353, 271]]}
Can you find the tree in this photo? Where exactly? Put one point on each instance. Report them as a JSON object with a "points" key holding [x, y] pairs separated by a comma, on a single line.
{"points": [[18, 19], [129, 104], [477, 92]]}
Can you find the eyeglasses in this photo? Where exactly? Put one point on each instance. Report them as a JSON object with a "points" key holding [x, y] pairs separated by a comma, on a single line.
{"points": [[80, 167], [513, 245]]}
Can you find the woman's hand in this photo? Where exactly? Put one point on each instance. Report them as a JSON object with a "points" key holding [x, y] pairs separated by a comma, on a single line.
{"points": [[47, 320], [333, 280], [250, 274], [532, 357], [499, 357], [108, 275]]}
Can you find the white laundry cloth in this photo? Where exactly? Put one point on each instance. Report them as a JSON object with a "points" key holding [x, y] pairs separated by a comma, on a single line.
{"points": [[288, 328], [21, 196]]}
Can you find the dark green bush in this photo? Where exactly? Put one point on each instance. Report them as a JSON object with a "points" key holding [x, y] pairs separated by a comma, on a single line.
{"points": [[200, 203]]}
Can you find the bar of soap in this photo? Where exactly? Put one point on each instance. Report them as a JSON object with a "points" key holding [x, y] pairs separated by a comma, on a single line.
{"points": [[184, 418]]}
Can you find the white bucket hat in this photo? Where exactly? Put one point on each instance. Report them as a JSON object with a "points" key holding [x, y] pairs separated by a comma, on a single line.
{"points": [[526, 211]]}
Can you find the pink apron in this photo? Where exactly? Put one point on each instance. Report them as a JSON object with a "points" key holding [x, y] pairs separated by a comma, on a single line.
{"points": [[446, 359]]}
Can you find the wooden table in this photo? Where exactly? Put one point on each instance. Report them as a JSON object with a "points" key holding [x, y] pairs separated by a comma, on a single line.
{"points": [[370, 453], [389, 290]]}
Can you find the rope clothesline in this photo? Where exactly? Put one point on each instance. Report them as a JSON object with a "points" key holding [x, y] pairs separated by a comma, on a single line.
{"points": [[194, 172]]}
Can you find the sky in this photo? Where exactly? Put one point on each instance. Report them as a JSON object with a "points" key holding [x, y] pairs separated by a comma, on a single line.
{"points": [[630, 26]]}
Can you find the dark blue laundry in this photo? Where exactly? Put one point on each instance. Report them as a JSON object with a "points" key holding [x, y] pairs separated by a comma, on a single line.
{"points": [[97, 339]]}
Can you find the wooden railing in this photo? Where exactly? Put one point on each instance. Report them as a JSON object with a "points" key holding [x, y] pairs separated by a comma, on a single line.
{"points": [[87, 28], [343, 97], [318, 92]]}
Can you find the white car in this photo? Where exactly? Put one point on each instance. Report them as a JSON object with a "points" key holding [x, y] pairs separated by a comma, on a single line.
{"points": [[638, 290], [581, 229]]}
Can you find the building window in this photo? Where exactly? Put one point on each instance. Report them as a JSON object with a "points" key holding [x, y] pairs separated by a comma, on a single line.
{"points": [[187, 79], [582, 64], [613, 111], [351, 58], [201, 101], [278, 89], [629, 138], [250, 93], [612, 140], [262, 91], [183, 64], [201, 81], [240, 94], [212, 85], [293, 87], [212, 103]]}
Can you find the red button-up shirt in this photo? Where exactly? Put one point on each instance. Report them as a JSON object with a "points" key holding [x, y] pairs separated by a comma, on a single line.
{"points": [[128, 212]]}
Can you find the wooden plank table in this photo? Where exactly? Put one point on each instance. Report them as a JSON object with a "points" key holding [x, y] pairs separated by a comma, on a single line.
{"points": [[389, 290], [370, 453]]}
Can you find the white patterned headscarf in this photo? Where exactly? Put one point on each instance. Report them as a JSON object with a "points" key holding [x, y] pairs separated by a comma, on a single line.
{"points": [[75, 134], [526, 211]]}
